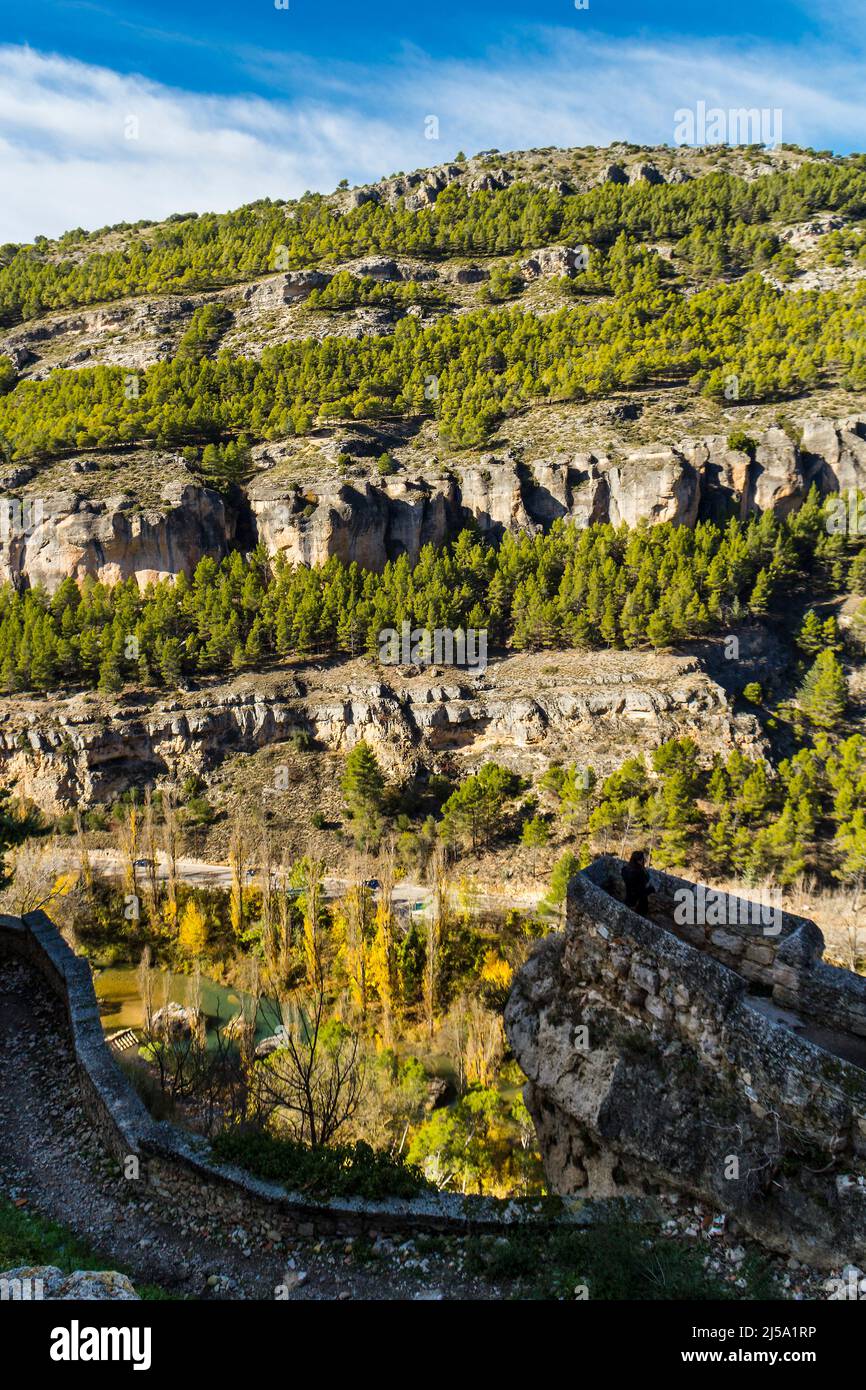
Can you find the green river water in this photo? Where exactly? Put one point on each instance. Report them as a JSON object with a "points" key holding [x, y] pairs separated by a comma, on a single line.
{"points": [[120, 1003]]}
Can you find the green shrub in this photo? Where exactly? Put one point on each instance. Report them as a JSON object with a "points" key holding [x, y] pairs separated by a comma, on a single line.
{"points": [[741, 442], [340, 1170], [199, 811]]}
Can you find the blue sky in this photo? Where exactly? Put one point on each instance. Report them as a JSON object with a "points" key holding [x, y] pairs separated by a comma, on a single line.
{"points": [[111, 112]]}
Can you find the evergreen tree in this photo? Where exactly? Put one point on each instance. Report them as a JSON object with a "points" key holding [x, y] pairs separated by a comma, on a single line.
{"points": [[363, 783], [823, 696]]}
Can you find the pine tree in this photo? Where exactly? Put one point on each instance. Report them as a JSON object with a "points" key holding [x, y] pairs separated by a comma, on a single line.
{"points": [[363, 783], [563, 872], [110, 678], [810, 638], [171, 663], [762, 593], [823, 696], [659, 631], [534, 835]]}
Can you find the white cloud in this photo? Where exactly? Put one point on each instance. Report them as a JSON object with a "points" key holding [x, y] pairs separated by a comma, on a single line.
{"points": [[66, 159]]}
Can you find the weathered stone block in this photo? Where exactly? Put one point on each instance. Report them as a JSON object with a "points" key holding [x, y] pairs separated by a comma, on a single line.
{"points": [[658, 1008], [645, 979], [726, 941], [760, 954]]}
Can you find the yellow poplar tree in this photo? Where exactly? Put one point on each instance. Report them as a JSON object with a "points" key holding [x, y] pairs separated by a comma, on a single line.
{"points": [[383, 965], [237, 863], [193, 929]]}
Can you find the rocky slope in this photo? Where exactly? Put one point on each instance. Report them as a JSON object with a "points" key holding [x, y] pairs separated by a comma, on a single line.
{"points": [[593, 708]]}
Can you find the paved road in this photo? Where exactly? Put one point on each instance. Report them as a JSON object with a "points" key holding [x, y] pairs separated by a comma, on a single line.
{"points": [[204, 874]]}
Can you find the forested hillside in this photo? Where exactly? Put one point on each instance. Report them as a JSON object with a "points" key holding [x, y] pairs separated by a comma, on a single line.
{"points": [[719, 220], [599, 586], [467, 371]]}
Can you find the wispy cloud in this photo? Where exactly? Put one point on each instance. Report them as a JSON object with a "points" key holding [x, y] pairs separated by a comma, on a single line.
{"points": [[84, 146]]}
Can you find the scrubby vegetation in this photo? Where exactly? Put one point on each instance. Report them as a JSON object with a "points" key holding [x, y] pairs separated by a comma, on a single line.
{"points": [[340, 1170], [616, 1260]]}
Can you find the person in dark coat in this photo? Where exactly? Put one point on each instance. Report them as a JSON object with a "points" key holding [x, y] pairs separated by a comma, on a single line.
{"points": [[637, 882]]}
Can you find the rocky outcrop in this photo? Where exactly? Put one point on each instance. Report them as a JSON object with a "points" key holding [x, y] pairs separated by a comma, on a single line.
{"points": [[594, 709], [373, 522], [175, 1020], [694, 480], [644, 173], [67, 534], [550, 260], [655, 485], [652, 1067], [420, 189], [360, 521], [32, 1282], [133, 334], [278, 290]]}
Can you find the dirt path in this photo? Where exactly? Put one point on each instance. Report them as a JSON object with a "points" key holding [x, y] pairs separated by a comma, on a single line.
{"points": [[51, 1157]]}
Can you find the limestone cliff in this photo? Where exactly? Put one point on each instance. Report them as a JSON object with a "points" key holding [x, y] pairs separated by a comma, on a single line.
{"points": [[119, 534], [72, 535], [593, 708]]}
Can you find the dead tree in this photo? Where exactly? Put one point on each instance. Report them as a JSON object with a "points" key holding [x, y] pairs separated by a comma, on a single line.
{"points": [[317, 1079]]}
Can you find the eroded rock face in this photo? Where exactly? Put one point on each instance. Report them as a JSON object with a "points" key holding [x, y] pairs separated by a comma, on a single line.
{"points": [[550, 260], [372, 522], [70, 535], [682, 484], [649, 1069], [357, 521], [597, 709], [285, 289], [656, 485], [695, 480]]}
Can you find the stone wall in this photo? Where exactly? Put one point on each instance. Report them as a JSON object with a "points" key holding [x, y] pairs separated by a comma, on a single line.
{"points": [[197, 1193], [650, 1070], [775, 949]]}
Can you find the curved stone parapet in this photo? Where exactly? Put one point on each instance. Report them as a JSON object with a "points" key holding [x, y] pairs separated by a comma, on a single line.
{"points": [[655, 1066]]}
